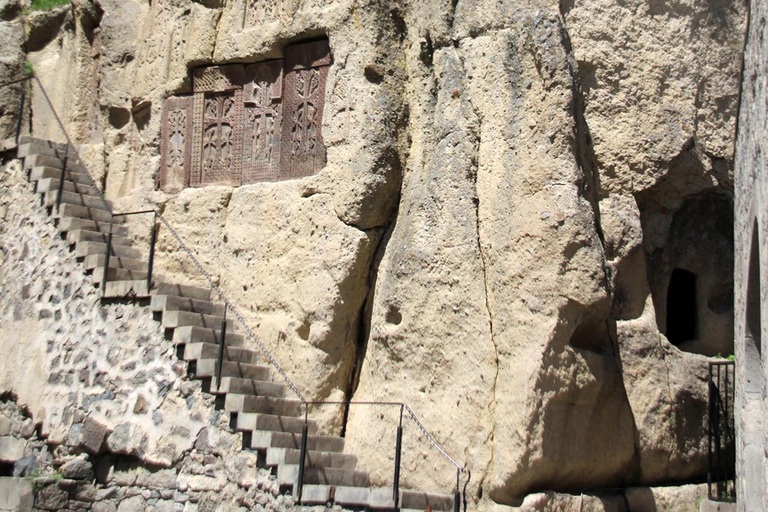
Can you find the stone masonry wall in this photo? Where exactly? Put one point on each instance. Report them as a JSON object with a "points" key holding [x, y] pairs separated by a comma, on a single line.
{"points": [[122, 426], [751, 269]]}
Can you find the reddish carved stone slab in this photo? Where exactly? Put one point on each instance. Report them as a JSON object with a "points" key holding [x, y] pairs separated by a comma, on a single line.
{"points": [[218, 125], [306, 69], [263, 119], [176, 143]]}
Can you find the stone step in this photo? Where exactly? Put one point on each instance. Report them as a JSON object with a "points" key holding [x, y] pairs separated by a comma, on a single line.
{"points": [[376, 498], [84, 249], [28, 139], [126, 289], [82, 212], [33, 161], [121, 274], [52, 185], [207, 368], [84, 235], [263, 439], [95, 262], [92, 202], [193, 334], [419, 500], [38, 148], [279, 456], [263, 404], [194, 351], [288, 475], [176, 303], [241, 386], [42, 173], [174, 319], [249, 422], [68, 224], [182, 290]]}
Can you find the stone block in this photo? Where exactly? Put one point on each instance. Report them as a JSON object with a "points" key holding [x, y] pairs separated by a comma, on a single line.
{"points": [[11, 449], [93, 435], [16, 494], [716, 506], [132, 504], [5, 426], [77, 469], [51, 497]]}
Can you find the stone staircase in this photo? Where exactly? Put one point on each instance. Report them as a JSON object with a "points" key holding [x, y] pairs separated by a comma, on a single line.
{"points": [[266, 412]]}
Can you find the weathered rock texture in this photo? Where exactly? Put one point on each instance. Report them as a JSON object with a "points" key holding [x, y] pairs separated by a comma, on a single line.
{"points": [[510, 188], [751, 269]]}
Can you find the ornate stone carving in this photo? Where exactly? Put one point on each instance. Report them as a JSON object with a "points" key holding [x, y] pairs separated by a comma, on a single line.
{"points": [[249, 123], [176, 143], [153, 59], [303, 149], [262, 11], [218, 125], [343, 110], [263, 119]]}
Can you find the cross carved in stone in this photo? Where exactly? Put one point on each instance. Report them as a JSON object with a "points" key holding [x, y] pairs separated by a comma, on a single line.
{"points": [[263, 117], [218, 149]]}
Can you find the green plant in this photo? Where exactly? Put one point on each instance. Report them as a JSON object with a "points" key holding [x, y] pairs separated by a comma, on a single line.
{"points": [[41, 480], [28, 68], [44, 5]]}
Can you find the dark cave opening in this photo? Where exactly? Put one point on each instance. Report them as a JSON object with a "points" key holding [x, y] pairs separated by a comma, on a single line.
{"points": [[681, 306]]}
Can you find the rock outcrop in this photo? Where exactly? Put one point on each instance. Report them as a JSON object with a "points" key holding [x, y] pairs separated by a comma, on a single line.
{"points": [[512, 193]]}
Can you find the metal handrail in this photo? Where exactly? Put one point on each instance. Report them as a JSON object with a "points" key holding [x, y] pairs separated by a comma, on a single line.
{"points": [[228, 305], [403, 408]]}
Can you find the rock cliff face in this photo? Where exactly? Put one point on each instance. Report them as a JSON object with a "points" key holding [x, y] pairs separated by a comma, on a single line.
{"points": [[523, 229]]}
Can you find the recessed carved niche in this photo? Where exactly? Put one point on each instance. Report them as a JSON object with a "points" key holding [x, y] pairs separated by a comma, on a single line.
{"points": [[248, 123]]}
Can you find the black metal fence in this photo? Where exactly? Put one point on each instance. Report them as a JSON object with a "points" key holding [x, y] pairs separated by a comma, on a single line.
{"points": [[721, 474]]}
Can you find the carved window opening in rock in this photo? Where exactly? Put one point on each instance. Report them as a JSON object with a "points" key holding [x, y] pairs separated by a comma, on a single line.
{"points": [[753, 349], [682, 312], [248, 123]]}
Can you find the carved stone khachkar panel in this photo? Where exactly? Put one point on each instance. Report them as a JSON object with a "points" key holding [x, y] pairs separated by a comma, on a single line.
{"points": [[218, 125], [176, 143], [306, 69], [248, 123], [258, 12], [263, 118]]}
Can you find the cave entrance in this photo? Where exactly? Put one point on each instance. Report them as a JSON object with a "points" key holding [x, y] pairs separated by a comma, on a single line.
{"points": [[681, 307]]}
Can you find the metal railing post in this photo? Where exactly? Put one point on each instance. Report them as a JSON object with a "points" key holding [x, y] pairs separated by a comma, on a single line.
{"points": [[457, 494], [709, 432], [21, 113], [152, 241], [302, 456], [61, 180], [106, 258], [398, 451], [222, 342]]}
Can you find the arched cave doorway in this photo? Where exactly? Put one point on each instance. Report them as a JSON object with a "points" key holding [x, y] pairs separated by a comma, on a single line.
{"points": [[681, 307]]}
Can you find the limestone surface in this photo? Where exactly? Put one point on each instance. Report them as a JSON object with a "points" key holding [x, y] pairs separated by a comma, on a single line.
{"points": [[512, 191]]}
